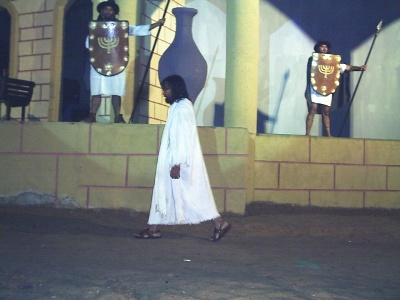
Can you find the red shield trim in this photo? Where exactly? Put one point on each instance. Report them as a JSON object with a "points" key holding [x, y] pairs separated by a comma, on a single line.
{"points": [[109, 46]]}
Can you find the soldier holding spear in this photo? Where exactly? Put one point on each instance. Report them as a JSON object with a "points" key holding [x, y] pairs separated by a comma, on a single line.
{"points": [[109, 78], [323, 78]]}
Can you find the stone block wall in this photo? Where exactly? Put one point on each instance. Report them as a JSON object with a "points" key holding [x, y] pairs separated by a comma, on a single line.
{"points": [[328, 172], [113, 165]]}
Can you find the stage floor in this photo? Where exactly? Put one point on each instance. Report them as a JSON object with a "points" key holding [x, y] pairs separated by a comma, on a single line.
{"points": [[271, 252]]}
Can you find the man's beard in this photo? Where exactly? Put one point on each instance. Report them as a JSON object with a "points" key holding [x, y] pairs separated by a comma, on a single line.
{"points": [[108, 17], [169, 101]]}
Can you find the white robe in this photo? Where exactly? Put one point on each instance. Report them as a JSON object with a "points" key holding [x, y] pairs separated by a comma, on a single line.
{"points": [[113, 85], [321, 99], [189, 199]]}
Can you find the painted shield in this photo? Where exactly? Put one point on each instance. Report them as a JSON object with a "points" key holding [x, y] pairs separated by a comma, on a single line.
{"points": [[109, 46], [325, 73]]}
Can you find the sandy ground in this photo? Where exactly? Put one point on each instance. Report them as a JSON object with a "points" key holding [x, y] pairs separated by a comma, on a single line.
{"points": [[271, 252]]}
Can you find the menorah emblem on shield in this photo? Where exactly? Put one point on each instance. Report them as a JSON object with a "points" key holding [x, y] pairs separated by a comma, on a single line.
{"points": [[108, 43], [326, 70]]}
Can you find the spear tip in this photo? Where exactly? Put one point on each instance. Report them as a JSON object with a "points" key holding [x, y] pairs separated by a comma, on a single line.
{"points": [[379, 26]]}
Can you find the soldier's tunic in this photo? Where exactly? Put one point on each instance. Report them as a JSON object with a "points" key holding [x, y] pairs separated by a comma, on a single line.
{"points": [[113, 85]]}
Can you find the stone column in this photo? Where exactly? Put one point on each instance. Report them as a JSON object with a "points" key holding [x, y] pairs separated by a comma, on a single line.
{"points": [[242, 56], [131, 11]]}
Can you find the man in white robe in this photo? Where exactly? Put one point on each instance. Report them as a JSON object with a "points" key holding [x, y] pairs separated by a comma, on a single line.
{"points": [[113, 86], [182, 193]]}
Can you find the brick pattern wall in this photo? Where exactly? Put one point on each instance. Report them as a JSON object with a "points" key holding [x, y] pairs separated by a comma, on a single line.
{"points": [[34, 50], [153, 109]]}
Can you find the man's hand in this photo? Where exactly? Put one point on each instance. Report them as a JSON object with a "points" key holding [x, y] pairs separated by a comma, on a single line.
{"points": [[161, 22], [157, 24], [354, 68]]}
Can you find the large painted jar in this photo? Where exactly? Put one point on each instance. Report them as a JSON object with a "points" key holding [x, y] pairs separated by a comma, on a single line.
{"points": [[183, 57]]}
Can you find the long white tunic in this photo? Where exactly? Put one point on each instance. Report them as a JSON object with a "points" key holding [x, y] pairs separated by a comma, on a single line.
{"points": [[113, 85], [321, 99], [189, 199]]}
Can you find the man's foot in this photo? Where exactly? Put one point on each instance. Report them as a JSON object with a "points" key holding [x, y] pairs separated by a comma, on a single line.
{"points": [[220, 232], [148, 234], [119, 119], [90, 119]]}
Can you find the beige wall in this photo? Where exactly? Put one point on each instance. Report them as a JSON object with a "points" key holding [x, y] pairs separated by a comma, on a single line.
{"points": [[112, 166]]}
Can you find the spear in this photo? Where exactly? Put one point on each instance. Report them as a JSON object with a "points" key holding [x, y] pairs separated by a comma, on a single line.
{"points": [[136, 102], [378, 29]]}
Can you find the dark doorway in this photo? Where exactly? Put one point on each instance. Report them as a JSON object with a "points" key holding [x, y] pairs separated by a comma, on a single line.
{"points": [[75, 92], [5, 32]]}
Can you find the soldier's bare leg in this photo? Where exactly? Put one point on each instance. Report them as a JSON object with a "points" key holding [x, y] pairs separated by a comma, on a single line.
{"points": [[326, 120], [310, 117], [95, 102], [116, 102]]}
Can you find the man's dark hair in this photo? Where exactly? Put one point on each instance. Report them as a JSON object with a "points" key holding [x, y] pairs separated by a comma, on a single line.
{"points": [[110, 3], [177, 86], [320, 43]]}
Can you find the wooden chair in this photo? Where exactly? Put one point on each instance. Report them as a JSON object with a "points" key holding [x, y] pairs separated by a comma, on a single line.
{"points": [[16, 93]]}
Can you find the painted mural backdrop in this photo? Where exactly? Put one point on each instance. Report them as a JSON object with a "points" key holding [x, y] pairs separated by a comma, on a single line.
{"points": [[288, 32]]}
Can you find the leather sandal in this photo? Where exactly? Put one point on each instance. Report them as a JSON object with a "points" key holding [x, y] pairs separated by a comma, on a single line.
{"points": [[119, 119], [219, 232]]}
